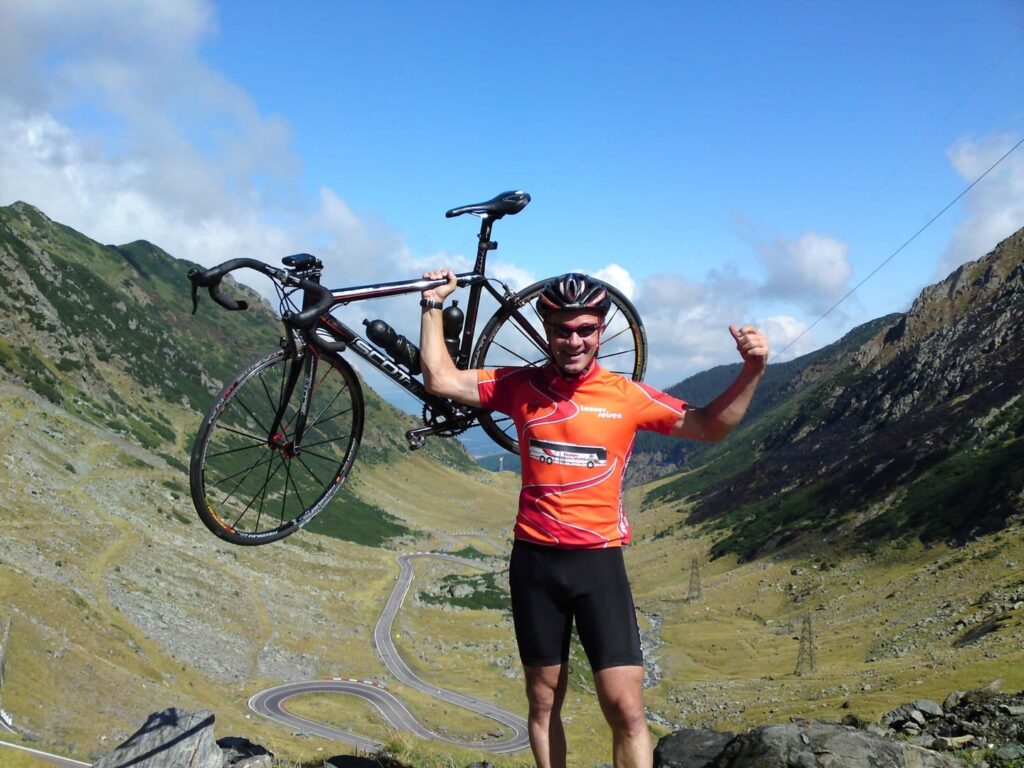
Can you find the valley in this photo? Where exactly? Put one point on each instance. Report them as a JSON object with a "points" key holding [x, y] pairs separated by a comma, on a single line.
{"points": [[864, 525], [121, 604]]}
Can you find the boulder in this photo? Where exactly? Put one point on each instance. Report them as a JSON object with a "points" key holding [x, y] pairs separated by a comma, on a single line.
{"points": [[173, 738], [806, 744], [928, 708], [690, 748], [241, 753]]}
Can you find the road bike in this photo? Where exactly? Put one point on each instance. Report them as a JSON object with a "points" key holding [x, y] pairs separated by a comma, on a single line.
{"points": [[281, 437]]}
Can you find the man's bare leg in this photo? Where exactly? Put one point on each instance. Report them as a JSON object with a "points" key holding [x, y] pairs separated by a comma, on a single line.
{"points": [[620, 691], [545, 692]]}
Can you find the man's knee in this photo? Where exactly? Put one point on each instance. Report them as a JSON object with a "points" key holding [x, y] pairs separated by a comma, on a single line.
{"points": [[625, 714], [545, 688], [620, 691]]}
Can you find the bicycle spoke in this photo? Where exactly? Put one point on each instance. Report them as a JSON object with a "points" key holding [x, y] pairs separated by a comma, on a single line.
{"points": [[331, 417], [520, 357], [311, 472], [616, 354], [615, 313], [270, 398], [507, 422], [528, 337], [605, 340], [245, 474], [262, 492], [256, 438], [307, 446], [214, 454], [253, 416], [228, 478], [323, 410], [302, 504]]}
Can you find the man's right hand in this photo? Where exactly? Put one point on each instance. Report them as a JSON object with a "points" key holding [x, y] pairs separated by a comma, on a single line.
{"points": [[442, 291]]}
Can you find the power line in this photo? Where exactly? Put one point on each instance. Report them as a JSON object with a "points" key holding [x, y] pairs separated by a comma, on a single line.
{"points": [[935, 128], [893, 255]]}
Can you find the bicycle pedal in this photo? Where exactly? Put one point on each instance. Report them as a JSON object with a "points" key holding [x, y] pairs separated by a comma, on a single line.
{"points": [[415, 441]]}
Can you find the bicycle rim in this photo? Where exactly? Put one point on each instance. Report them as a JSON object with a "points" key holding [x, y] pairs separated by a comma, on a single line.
{"points": [[251, 487], [504, 342]]}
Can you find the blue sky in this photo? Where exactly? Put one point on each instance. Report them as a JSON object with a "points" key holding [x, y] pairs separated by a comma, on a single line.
{"points": [[721, 162]]}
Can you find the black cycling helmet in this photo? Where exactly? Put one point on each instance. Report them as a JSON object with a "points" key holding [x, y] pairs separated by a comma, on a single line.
{"points": [[574, 291]]}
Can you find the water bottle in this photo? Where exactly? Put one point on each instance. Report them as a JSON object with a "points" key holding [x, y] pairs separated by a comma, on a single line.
{"points": [[403, 351], [452, 319]]}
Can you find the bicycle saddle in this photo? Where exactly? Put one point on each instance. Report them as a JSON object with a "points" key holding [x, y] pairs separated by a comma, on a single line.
{"points": [[507, 203]]}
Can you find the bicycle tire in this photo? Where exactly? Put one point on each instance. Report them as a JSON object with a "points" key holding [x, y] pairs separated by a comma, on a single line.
{"points": [[248, 491], [503, 342]]}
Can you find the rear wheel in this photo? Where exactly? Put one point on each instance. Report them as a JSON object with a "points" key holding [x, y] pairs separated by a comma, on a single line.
{"points": [[506, 342], [253, 487]]}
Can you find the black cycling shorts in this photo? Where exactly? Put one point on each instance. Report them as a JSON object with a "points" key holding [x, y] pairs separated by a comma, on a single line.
{"points": [[551, 587]]}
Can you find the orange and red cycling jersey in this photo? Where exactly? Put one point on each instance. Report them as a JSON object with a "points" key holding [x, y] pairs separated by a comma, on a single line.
{"points": [[575, 439]]}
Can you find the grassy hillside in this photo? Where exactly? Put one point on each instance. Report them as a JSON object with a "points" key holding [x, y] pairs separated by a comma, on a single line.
{"points": [[122, 603], [106, 333]]}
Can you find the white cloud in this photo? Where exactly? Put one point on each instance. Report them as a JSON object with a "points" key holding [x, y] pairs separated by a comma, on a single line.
{"points": [[812, 270], [787, 337], [687, 323], [111, 122], [995, 207], [514, 276], [619, 277]]}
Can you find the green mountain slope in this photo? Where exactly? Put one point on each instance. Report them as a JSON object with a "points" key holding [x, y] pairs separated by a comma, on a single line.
{"points": [[105, 332], [658, 454], [912, 427]]}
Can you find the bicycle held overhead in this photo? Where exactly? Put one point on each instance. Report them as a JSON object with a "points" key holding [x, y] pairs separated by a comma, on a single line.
{"points": [[279, 440]]}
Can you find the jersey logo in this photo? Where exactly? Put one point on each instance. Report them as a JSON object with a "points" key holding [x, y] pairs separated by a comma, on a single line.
{"points": [[568, 454], [601, 411]]}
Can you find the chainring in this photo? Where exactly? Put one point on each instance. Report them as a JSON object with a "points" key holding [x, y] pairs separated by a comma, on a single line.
{"points": [[432, 419]]}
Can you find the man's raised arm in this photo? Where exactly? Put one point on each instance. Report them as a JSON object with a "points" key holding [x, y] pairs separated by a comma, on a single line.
{"points": [[716, 419], [440, 376]]}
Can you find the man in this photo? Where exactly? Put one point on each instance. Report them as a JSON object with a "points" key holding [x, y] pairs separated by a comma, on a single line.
{"points": [[566, 561]]}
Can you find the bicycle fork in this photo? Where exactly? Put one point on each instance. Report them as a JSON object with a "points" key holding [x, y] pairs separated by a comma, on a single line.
{"points": [[302, 365]]}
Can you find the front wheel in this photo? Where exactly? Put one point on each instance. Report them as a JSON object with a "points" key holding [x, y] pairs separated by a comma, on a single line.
{"points": [[252, 486], [506, 342]]}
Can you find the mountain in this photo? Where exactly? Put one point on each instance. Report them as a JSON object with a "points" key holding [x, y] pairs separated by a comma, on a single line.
{"points": [[105, 332], [912, 425], [655, 455]]}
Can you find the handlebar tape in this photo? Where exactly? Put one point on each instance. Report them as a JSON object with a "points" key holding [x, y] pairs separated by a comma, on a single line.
{"points": [[211, 279]]}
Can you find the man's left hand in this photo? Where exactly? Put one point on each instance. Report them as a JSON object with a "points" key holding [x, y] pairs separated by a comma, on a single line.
{"points": [[751, 344]]}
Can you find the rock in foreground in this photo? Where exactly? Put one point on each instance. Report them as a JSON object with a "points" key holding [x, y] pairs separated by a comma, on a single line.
{"points": [[178, 738], [806, 744]]}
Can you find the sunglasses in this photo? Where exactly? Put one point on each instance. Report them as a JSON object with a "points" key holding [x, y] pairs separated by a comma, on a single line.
{"points": [[566, 332]]}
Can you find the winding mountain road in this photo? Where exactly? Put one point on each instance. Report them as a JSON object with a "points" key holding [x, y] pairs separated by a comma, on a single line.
{"points": [[270, 702], [64, 762]]}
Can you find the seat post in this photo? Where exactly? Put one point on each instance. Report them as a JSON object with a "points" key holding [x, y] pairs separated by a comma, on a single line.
{"points": [[485, 244]]}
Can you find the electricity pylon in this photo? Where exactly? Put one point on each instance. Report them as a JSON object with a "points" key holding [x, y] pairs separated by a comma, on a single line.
{"points": [[805, 656]]}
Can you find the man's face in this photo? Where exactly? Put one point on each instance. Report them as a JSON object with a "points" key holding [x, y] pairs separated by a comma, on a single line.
{"points": [[573, 338]]}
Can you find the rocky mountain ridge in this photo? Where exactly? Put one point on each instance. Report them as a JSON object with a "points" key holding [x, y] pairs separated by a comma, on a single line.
{"points": [[918, 431]]}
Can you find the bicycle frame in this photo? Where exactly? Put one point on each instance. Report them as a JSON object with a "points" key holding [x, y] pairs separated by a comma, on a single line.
{"points": [[343, 337]]}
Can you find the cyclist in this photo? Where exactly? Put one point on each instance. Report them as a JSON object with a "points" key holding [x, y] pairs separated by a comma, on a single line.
{"points": [[576, 423]]}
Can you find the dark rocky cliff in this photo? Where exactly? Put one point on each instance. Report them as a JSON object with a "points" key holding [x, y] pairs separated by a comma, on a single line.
{"points": [[918, 431]]}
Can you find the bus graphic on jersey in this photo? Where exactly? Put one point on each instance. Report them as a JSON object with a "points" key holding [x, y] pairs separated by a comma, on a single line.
{"points": [[551, 452]]}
